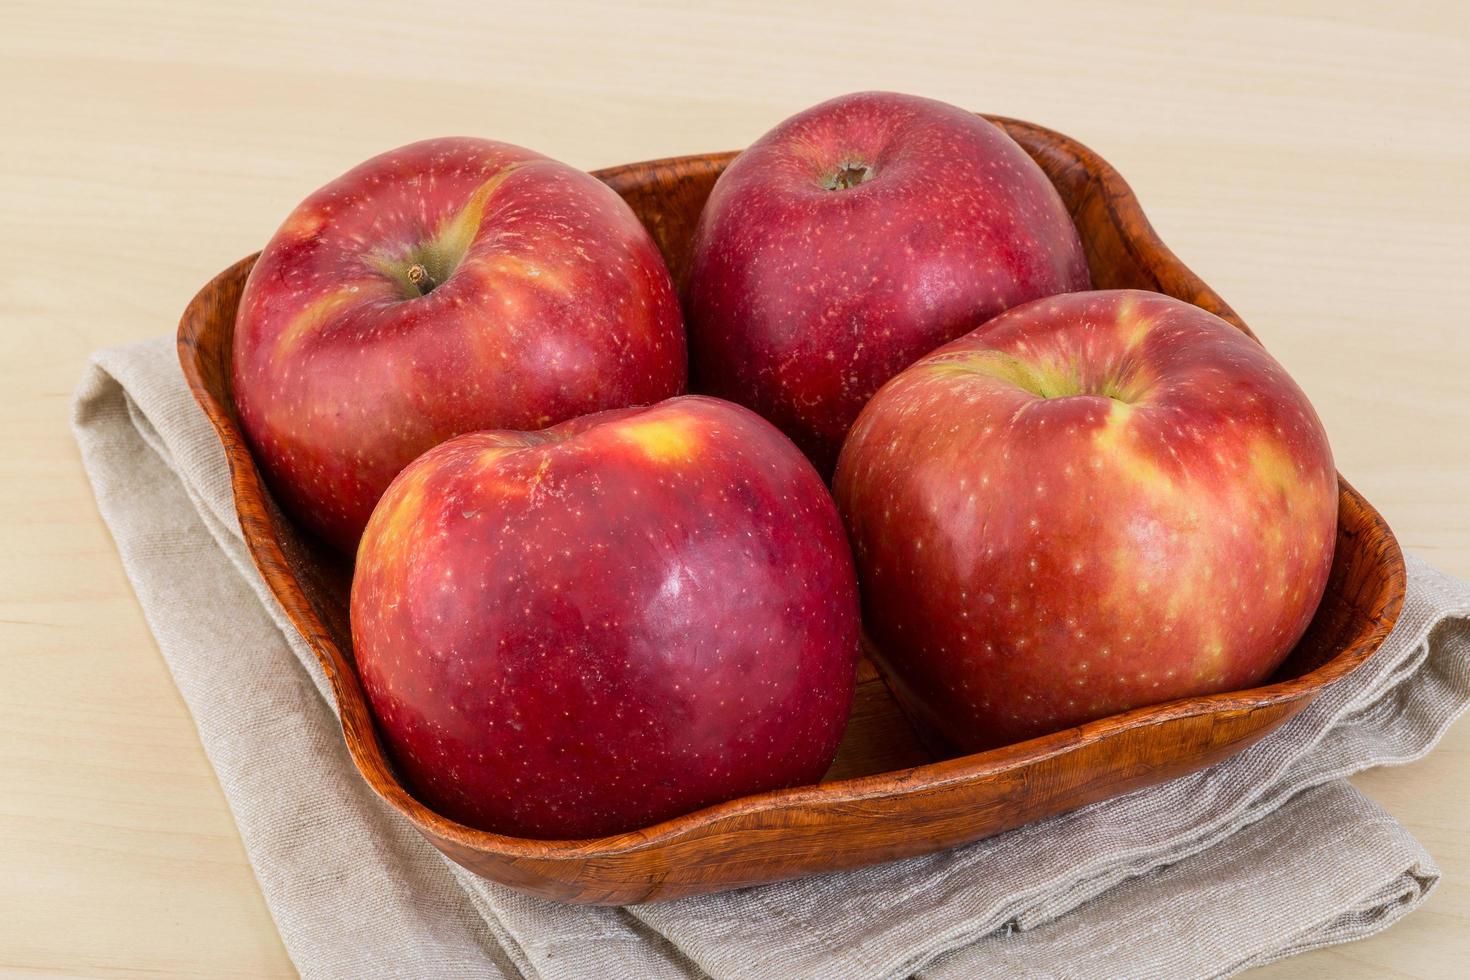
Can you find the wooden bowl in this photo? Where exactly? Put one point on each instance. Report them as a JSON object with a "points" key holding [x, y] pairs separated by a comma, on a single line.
{"points": [[885, 797]]}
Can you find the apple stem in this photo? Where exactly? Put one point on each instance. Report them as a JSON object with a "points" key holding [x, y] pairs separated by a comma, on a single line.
{"points": [[421, 279], [848, 175]]}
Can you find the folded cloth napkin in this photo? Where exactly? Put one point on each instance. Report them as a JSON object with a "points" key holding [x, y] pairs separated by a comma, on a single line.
{"points": [[1261, 856]]}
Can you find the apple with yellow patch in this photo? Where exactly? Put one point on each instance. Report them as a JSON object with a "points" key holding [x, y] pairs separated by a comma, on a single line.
{"points": [[446, 286], [591, 628], [1093, 502]]}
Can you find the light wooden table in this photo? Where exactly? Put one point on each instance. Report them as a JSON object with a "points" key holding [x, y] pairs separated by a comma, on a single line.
{"points": [[1310, 164]]}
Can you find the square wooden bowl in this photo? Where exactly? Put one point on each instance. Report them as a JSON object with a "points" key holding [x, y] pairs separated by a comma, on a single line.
{"points": [[885, 797]]}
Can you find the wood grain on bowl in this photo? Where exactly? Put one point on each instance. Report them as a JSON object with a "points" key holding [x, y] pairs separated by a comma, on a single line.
{"points": [[884, 798]]}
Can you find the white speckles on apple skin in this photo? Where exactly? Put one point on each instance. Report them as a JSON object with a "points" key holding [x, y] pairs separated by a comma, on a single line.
{"points": [[560, 306], [1181, 545], [802, 301], [587, 629]]}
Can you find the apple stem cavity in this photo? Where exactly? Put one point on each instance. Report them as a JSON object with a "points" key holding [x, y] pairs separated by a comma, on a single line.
{"points": [[848, 176]]}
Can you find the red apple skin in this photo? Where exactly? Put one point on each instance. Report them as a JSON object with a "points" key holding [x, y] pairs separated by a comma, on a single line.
{"points": [[1093, 502], [585, 630], [802, 300], [552, 301]]}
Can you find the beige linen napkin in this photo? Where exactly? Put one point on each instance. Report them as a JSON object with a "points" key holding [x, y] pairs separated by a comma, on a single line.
{"points": [[1264, 855]]}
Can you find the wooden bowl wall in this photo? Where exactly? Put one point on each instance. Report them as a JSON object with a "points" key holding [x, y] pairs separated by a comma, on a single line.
{"points": [[885, 797]]}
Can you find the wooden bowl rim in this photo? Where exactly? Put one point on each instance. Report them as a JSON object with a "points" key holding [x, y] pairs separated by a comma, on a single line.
{"points": [[367, 751]]}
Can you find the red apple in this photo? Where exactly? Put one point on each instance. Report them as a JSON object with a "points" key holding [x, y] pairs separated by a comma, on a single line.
{"points": [[1091, 503], [588, 629], [854, 238], [447, 286]]}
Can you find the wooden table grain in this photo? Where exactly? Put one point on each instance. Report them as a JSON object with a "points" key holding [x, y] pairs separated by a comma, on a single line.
{"points": [[1309, 161]]}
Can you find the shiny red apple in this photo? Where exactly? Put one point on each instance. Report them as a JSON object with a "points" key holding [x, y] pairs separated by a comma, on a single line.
{"points": [[447, 286], [1093, 502], [591, 628], [854, 238]]}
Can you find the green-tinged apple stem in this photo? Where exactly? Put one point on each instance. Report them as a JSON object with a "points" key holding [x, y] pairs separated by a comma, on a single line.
{"points": [[420, 278]]}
